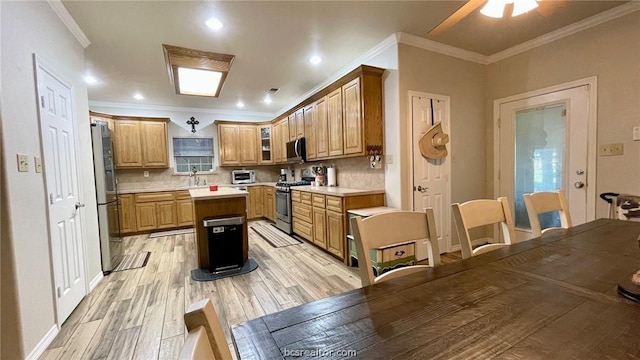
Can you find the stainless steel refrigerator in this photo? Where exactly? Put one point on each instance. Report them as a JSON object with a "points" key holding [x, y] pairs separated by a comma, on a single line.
{"points": [[107, 196]]}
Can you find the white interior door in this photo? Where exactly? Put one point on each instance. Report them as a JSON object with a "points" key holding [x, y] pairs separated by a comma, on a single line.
{"points": [[544, 147], [65, 226], [431, 178]]}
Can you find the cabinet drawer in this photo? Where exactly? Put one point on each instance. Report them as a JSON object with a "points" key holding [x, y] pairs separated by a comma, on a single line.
{"points": [[269, 190], [334, 203], [305, 198], [153, 197], [183, 195], [302, 212], [318, 201], [303, 228], [396, 253], [295, 196]]}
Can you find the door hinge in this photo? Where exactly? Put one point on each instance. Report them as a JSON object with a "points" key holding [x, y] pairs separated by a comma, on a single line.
{"points": [[564, 112], [59, 292], [50, 198], [498, 122], [42, 101], [498, 174]]}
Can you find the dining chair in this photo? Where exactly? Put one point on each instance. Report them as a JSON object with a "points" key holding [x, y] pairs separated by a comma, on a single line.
{"points": [[476, 213], [543, 202], [393, 228], [196, 346], [202, 314]]}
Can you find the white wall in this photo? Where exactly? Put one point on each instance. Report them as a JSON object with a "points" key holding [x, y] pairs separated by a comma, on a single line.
{"points": [[27, 28]]}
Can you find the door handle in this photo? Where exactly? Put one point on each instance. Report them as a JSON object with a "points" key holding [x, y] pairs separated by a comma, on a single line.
{"points": [[421, 189], [79, 205], [578, 184]]}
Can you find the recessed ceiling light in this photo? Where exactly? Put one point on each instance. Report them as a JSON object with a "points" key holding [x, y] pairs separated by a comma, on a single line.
{"points": [[240, 104], [90, 79], [214, 24], [267, 99], [138, 96], [315, 60]]}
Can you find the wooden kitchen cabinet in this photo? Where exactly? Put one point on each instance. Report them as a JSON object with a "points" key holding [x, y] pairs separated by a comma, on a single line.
{"points": [[321, 128], [140, 143], [292, 125], [265, 143], [320, 227], [184, 212], [248, 144], [166, 215], [155, 211], [228, 141], [352, 117], [334, 121], [146, 218], [335, 233], [269, 205], [255, 201], [127, 212], [310, 132], [299, 123]]}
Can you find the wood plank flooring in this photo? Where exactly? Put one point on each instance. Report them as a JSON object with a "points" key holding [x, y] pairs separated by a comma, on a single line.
{"points": [[137, 314]]}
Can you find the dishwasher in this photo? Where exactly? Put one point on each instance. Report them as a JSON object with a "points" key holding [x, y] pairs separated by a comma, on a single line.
{"points": [[224, 243]]}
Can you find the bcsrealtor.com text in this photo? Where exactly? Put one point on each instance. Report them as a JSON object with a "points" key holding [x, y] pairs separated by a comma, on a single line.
{"points": [[318, 353]]}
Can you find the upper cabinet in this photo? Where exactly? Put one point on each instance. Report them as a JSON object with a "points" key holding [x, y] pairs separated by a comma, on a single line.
{"points": [[238, 144], [140, 142], [344, 119]]}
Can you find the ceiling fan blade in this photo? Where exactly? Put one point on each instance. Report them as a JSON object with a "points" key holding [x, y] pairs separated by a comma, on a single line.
{"points": [[460, 14]]}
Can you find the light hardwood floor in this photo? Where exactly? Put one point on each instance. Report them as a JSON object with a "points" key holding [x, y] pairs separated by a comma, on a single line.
{"points": [[138, 313]]}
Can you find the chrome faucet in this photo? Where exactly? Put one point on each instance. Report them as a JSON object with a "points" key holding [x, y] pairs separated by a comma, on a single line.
{"points": [[196, 179]]}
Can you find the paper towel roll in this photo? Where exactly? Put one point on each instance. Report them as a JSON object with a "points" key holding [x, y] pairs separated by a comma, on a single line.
{"points": [[331, 177]]}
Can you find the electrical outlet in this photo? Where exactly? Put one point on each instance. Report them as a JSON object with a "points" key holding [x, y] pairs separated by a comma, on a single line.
{"points": [[611, 149], [388, 159], [636, 133], [146, 174], [38, 161], [23, 163]]}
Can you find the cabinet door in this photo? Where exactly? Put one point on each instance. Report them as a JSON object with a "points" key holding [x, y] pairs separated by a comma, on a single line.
{"points": [[321, 128], [265, 140], [292, 125], [127, 212], [248, 145], [166, 212], [255, 201], [146, 218], [228, 144], [335, 233], [128, 150], [277, 149], [155, 152], [319, 227], [299, 123], [352, 118], [334, 119], [310, 131], [184, 212], [269, 207]]}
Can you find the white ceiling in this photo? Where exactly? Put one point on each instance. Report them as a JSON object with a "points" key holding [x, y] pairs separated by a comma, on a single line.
{"points": [[273, 40]]}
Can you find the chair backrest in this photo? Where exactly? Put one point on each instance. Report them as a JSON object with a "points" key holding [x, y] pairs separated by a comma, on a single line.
{"points": [[196, 346], [203, 314], [482, 212], [545, 201], [392, 228]]}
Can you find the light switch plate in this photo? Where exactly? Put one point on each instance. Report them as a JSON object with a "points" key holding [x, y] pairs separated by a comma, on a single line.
{"points": [[38, 161], [23, 163], [636, 133], [146, 174], [388, 159]]}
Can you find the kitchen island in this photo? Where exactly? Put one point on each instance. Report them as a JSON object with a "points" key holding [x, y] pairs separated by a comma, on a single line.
{"points": [[222, 203]]}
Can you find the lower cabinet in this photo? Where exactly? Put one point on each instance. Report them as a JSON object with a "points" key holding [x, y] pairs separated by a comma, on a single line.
{"points": [[127, 213], [146, 216], [269, 204], [255, 202], [320, 227], [155, 211], [184, 212], [166, 214], [335, 233]]}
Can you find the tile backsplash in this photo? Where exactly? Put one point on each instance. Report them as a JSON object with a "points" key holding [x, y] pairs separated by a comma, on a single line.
{"points": [[353, 173], [166, 178]]}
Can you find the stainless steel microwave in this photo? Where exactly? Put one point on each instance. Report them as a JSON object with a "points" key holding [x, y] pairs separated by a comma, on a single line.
{"points": [[243, 176], [297, 151]]}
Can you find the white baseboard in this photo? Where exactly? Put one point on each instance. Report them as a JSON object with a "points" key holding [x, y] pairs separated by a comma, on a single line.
{"points": [[43, 344], [96, 280], [475, 242]]}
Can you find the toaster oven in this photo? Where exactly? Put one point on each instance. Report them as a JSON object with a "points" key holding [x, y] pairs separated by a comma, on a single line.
{"points": [[243, 176]]}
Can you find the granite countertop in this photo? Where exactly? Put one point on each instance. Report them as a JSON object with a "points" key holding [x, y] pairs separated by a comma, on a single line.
{"points": [[181, 187], [337, 191], [202, 193]]}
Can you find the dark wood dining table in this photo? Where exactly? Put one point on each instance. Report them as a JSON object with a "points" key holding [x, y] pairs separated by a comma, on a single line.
{"points": [[553, 297]]}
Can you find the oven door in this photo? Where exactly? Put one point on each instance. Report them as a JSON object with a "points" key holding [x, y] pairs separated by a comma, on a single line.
{"points": [[283, 206]]}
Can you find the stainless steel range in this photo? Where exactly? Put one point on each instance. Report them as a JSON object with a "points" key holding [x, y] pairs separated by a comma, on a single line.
{"points": [[283, 204]]}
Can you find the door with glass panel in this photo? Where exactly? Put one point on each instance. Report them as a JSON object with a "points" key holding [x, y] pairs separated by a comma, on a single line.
{"points": [[544, 147]]}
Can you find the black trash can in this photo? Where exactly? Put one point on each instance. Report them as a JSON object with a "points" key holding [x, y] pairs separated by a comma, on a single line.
{"points": [[224, 243]]}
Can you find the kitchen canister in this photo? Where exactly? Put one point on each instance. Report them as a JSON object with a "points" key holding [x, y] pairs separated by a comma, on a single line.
{"points": [[331, 176]]}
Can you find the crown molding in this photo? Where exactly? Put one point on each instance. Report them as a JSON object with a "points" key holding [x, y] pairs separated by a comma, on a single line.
{"points": [[239, 113], [422, 43], [70, 22], [385, 44], [568, 30]]}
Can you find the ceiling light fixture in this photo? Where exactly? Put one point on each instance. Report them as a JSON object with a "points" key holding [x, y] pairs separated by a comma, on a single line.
{"points": [[196, 72], [495, 8], [138, 96], [214, 24], [90, 80], [240, 104], [315, 60], [267, 99]]}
